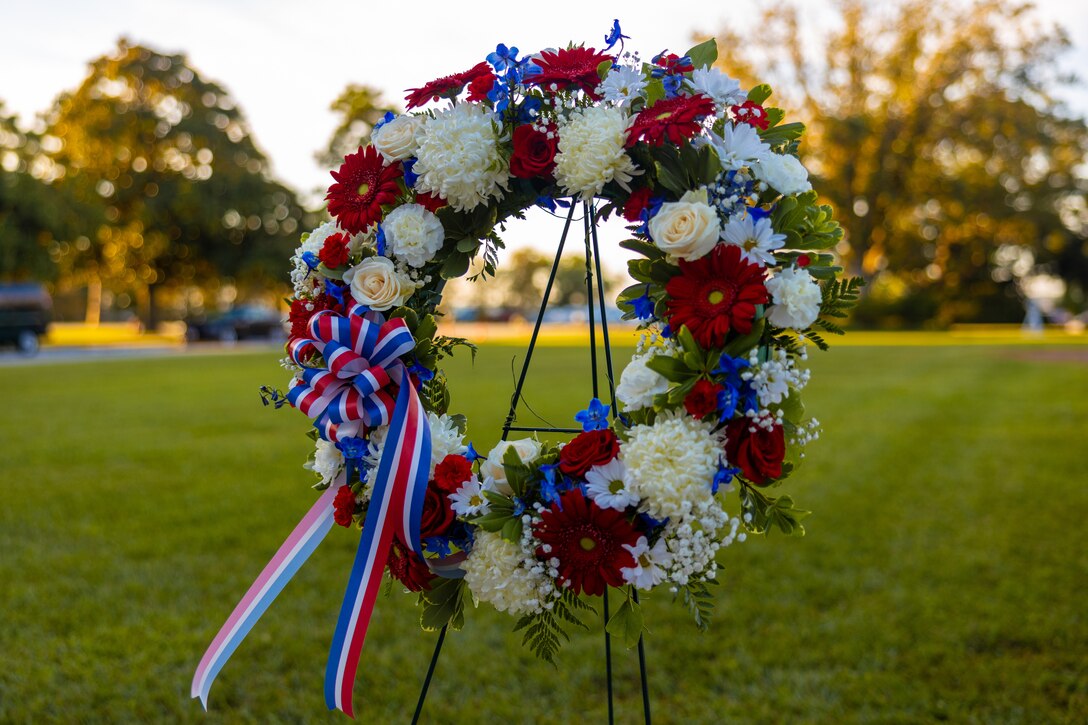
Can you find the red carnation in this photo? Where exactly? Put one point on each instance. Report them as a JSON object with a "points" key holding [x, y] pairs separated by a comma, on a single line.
{"points": [[343, 506], [302, 310], [588, 542], [437, 515], [569, 69], [430, 202], [479, 87], [636, 203], [588, 449], [758, 453], [703, 399], [715, 294], [363, 184], [751, 113], [534, 153], [409, 569], [675, 119], [451, 472], [334, 252], [446, 86]]}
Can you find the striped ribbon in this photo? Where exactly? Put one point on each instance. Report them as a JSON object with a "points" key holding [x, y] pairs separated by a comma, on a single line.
{"points": [[344, 397]]}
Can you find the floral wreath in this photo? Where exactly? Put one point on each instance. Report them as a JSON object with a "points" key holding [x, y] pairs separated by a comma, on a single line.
{"points": [[734, 278]]}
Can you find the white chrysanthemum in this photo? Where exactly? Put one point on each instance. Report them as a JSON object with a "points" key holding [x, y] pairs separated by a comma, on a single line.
{"points": [[458, 157], [469, 499], [413, 234], [445, 438], [328, 461], [605, 485], [717, 85], [739, 145], [494, 574], [784, 173], [592, 151], [796, 297], [756, 239], [302, 277], [648, 570], [622, 85], [671, 464]]}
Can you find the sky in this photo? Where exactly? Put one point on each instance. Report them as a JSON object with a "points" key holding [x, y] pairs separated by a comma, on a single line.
{"points": [[285, 61]]}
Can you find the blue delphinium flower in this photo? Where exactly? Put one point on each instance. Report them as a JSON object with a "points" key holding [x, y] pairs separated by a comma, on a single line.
{"points": [[438, 544], [423, 373], [643, 306], [335, 290], [503, 58], [410, 177], [389, 116], [672, 85], [723, 477], [615, 36], [311, 260], [471, 454], [380, 241], [549, 488], [595, 417]]}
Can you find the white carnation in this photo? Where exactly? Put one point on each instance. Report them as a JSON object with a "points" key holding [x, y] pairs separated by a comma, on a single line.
{"points": [[491, 470], [459, 159], [413, 234], [639, 384], [717, 85], [796, 297], [592, 151], [328, 460], [671, 464], [783, 172], [622, 85], [445, 438], [396, 139], [494, 573]]}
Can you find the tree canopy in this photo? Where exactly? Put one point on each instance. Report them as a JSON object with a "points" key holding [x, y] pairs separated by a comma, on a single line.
{"points": [[936, 133]]}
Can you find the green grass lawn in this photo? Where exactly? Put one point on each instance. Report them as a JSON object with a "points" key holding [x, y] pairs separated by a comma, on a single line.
{"points": [[944, 575]]}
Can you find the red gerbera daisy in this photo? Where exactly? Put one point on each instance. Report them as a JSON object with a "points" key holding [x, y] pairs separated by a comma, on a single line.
{"points": [[588, 542], [408, 569], [363, 184], [570, 68], [446, 86], [715, 294], [674, 118]]}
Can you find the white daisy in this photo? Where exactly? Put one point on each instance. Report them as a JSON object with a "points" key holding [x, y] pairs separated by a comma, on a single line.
{"points": [[605, 485], [469, 500], [717, 85], [622, 85], [648, 570], [756, 239], [738, 146]]}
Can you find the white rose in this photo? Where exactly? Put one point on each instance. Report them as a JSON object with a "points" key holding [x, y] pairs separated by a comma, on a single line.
{"points": [[783, 172], [796, 297], [375, 283], [639, 384], [688, 228], [413, 234], [396, 140], [527, 449]]}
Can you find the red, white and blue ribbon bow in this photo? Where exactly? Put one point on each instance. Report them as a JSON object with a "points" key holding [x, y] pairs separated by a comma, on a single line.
{"points": [[345, 397]]}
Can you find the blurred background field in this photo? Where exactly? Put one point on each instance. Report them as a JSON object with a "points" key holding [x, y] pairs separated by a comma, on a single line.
{"points": [[942, 579]]}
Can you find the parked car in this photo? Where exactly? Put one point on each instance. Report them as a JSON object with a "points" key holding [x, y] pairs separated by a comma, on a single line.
{"points": [[245, 322], [25, 312]]}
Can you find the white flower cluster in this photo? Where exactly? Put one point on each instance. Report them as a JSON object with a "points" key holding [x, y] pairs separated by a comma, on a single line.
{"points": [[671, 464], [303, 279], [592, 151], [328, 461], [804, 433], [459, 159], [693, 542], [639, 384], [496, 572], [773, 379], [796, 297]]}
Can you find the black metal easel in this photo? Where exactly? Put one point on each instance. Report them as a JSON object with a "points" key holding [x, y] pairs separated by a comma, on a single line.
{"points": [[594, 293]]}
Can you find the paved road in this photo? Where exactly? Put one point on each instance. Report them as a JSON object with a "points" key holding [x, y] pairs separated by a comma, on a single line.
{"points": [[48, 355]]}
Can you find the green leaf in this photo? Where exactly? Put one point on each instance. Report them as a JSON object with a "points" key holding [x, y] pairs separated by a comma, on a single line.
{"points": [[641, 246], [443, 604], [627, 623], [655, 91], [455, 266], [603, 68], [468, 245], [759, 94], [741, 346], [670, 368], [704, 54]]}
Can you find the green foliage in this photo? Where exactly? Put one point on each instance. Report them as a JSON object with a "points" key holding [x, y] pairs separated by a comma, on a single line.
{"points": [[768, 511], [838, 296], [627, 622], [359, 108], [443, 604], [704, 54], [699, 600], [544, 629]]}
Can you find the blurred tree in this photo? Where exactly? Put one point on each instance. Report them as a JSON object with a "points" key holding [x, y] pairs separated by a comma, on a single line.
{"points": [[359, 108], [187, 198], [524, 274], [935, 131]]}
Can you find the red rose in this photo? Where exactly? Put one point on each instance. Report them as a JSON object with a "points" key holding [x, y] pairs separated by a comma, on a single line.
{"points": [[430, 202], [480, 86], [636, 203], [451, 472], [588, 449], [334, 252], [437, 514], [703, 399], [534, 153], [409, 569], [758, 454], [344, 506]]}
